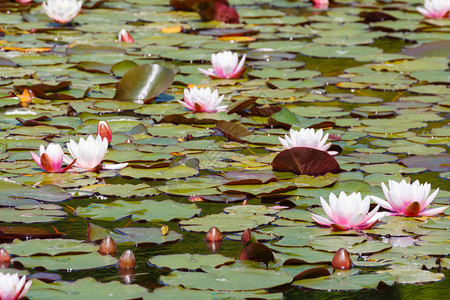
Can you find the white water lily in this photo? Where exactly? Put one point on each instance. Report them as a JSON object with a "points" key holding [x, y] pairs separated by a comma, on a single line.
{"points": [[62, 11], [408, 199], [202, 100], [225, 65], [12, 288], [348, 212], [89, 153], [307, 137]]}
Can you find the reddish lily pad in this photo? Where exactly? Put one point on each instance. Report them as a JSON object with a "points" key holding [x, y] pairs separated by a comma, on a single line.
{"points": [[305, 161]]}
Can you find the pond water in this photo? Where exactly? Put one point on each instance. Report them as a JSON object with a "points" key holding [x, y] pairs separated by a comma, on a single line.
{"points": [[372, 74]]}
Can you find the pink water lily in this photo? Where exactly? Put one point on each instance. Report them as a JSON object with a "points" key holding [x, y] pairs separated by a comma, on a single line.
{"points": [[50, 159], [62, 11], [12, 288], [125, 36], [202, 100], [225, 65], [89, 153], [435, 9], [408, 199], [348, 212], [307, 137], [321, 4]]}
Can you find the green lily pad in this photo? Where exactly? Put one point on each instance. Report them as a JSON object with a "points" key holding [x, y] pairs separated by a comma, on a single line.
{"points": [[48, 247], [32, 213], [346, 281], [177, 292], [92, 260], [86, 288], [227, 278], [143, 83], [148, 210], [189, 261]]}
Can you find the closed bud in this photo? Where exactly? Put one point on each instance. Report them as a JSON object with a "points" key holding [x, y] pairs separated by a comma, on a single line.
{"points": [[128, 141], [213, 235], [104, 131], [108, 246], [341, 260], [4, 256], [125, 37], [127, 260]]}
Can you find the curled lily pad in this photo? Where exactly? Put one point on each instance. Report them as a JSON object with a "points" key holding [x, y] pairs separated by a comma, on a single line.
{"points": [[142, 83]]}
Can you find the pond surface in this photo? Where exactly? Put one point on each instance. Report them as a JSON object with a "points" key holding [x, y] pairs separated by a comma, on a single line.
{"points": [[372, 74]]}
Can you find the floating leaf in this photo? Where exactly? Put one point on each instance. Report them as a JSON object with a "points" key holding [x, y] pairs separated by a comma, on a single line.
{"points": [[305, 161], [142, 83]]}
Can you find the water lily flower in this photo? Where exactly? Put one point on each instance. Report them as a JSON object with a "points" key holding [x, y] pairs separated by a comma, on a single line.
{"points": [[225, 65], [321, 4], [89, 153], [348, 212], [62, 11], [202, 100], [11, 288], [125, 36], [104, 131], [307, 137], [435, 9], [50, 159], [408, 199]]}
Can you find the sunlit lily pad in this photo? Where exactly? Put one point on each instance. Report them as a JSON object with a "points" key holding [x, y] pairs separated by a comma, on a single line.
{"points": [[85, 288], [92, 260], [148, 210], [227, 278], [189, 261]]}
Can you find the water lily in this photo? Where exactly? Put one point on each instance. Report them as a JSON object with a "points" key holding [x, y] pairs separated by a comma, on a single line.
{"points": [[202, 100], [408, 199], [348, 212], [89, 153], [104, 131], [62, 11], [50, 159], [125, 36], [225, 65], [11, 287], [321, 4], [435, 9], [307, 137]]}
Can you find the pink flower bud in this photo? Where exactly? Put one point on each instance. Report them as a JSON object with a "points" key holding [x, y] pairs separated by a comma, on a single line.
{"points": [[104, 131]]}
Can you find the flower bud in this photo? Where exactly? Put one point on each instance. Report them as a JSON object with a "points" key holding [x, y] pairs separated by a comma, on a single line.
{"points": [[127, 260], [4, 256], [213, 235], [125, 37], [104, 131], [341, 260], [108, 246]]}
